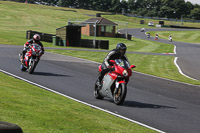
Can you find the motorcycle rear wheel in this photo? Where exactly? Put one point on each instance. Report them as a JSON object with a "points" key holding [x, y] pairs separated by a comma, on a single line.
{"points": [[96, 91], [120, 95]]}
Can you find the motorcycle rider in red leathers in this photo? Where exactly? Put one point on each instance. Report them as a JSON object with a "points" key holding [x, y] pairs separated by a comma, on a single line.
{"points": [[35, 39], [118, 53]]}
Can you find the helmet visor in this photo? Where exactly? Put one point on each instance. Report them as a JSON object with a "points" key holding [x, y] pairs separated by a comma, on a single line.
{"points": [[36, 41], [122, 52]]}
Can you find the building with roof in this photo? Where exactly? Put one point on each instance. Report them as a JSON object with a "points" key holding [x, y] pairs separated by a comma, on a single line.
{"points": [[102, 26]]}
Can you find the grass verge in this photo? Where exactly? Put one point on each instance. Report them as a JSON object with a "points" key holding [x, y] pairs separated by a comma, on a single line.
{"points": [[137, 45], [181, 36]]}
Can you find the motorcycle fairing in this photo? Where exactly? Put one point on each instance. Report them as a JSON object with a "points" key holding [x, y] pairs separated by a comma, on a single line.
{"points": [[129, 72], [100, 68], [107, 83], [113, 75], [29, 52], [122, 81]]}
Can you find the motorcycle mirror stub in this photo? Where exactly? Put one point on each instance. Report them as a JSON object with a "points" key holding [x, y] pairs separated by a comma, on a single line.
{"points": [[112, 61], [132, 66]]}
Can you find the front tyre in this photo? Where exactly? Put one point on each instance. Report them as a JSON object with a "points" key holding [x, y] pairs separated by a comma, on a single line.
{"points": [[31, 67], [96, 91], [120, 94]]}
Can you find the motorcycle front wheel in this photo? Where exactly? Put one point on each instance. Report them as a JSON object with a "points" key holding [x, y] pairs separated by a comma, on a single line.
{"points": [[96, 91], [31, 67], [120, 94]]}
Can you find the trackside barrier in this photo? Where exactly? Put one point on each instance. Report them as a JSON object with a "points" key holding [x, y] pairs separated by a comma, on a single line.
{"points": [[44, 36], [99, 44], [126, 36]]}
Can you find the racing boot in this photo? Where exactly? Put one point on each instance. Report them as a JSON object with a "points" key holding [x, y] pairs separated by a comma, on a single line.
{"points": [[22, 58], [99, 82]]}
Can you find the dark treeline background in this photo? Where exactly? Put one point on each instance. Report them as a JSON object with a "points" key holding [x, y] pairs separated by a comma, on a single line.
{"points": [[147, 8]]}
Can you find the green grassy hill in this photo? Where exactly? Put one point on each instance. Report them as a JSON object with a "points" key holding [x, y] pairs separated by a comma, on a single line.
{"points": [[17, 18], [186, 36]]}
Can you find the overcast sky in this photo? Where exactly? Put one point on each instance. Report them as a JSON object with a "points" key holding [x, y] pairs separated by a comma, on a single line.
{"points": [[194, 1]]}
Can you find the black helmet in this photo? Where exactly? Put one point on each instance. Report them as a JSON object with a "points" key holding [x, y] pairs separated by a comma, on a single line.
{"points": [[121, 48]]}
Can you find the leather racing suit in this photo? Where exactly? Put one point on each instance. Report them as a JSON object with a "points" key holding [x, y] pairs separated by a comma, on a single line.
{"points": [[112, 55], [26, 47]]}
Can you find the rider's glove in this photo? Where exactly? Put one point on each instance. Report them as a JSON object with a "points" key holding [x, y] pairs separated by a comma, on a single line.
{"points": [[109, 67]]}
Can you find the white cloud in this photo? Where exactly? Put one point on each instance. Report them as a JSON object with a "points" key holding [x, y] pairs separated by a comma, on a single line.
{"points": [[194, 1]]}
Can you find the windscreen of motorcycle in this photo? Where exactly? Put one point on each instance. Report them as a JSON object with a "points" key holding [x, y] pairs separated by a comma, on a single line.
{"points": [[122, 63], [36, 49]]}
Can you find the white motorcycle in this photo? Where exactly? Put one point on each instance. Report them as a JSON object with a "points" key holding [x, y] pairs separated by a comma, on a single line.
{"points": [[114, 83]]}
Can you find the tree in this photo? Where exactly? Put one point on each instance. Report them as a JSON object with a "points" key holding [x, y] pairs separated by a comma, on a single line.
{"points": [[189, 8], [131, 5], [115, 6], [195, 13], [180, 8]]}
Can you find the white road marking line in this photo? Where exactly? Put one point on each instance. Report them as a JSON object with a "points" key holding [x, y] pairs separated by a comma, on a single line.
{"points": [[174, 49], [180, 71], [90, 105]]}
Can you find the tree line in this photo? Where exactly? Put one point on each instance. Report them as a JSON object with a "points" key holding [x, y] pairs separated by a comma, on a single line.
{"points": [[146, 8]]}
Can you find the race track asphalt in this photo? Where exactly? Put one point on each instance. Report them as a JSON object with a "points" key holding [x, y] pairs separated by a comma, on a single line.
{"points": [[163, 104], [188, 54]]}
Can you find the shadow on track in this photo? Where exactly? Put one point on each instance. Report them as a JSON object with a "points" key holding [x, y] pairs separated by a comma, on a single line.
{"points": [[144, 105], [50, 74]]}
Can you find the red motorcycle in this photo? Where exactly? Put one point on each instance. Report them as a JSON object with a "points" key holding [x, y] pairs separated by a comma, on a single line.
{"points": [[31, 58], [114, 83]]}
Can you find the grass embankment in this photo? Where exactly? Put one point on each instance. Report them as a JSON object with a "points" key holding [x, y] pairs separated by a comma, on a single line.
{"points": [[181, 36], [138, 45], [17, 18], [38, 111]]}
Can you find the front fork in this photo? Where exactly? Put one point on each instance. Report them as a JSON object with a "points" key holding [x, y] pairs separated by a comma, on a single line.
{"points": [[117, 83], [31, 60], [116, 87]]}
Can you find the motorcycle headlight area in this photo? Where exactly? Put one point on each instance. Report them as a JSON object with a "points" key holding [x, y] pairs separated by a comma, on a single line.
{"points": [[35, 53], [125, 73]]}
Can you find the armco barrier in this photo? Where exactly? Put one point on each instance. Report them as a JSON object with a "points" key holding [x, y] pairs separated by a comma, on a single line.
{"points": [[44, 36], [126, 36], [100, 44], [183, 27]]}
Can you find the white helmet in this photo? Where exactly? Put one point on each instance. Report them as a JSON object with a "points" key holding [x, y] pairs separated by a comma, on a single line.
{"points": [[36, 38]]}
